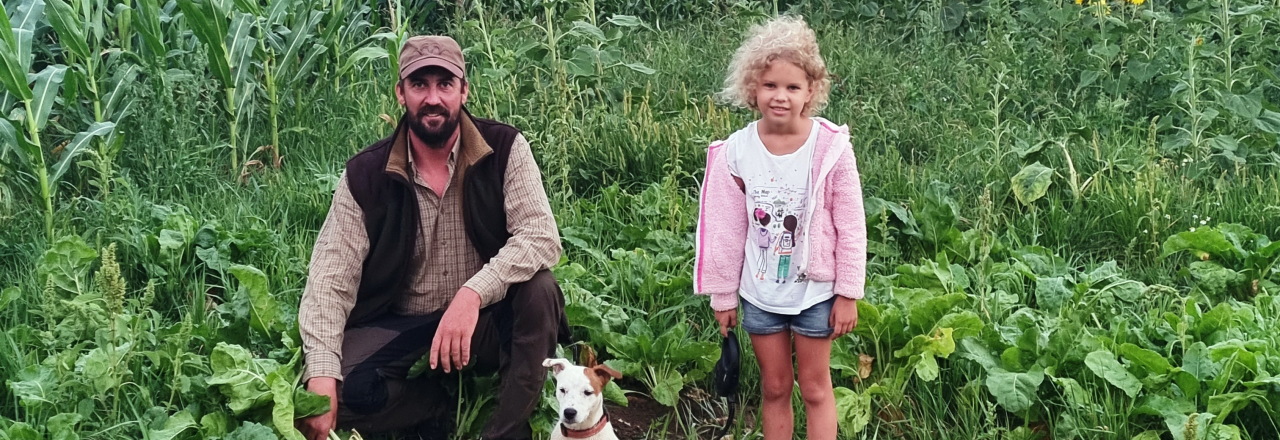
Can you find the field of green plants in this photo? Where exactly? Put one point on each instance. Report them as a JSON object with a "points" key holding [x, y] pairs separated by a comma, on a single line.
{"points": [[1071, 205]]}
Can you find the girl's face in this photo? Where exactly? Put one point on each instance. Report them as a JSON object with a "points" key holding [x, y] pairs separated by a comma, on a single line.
{"points": [[782, 92]]}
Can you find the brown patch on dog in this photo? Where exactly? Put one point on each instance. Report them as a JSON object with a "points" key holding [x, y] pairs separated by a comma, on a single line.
{"points": [[600, 375]]}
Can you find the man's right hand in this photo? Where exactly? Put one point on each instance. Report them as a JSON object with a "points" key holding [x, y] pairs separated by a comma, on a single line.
{"points": [[318, 427]]}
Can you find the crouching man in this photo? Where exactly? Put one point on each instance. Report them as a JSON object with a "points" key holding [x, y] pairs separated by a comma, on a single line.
{"points": [[438, 243]]}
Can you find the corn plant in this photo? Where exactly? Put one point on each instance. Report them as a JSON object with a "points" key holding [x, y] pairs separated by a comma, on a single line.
{"points": [[287, 53], [37, 102], [96, 68], [224, 32]]}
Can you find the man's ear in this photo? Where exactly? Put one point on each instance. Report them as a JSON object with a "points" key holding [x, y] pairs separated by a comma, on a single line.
{"points": [[400, 92], [556, 365], [605, 372]]}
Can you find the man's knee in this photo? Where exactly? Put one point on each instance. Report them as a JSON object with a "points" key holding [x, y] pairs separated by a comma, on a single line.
{"points": [[539, 294], [364, 392]]}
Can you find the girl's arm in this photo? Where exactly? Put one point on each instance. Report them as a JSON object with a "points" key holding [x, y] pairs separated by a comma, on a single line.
{"points": [[721, 235], [845, 198]]}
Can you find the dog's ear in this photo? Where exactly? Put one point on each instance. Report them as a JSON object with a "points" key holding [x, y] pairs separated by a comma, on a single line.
{"points": [[605, 372], [556, 365]]}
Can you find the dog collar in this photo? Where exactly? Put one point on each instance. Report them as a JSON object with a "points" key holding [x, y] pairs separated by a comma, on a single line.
{"points": [[585, 433]]}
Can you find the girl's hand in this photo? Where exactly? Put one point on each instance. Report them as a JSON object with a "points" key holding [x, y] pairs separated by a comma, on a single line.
{"points": [[844, 316], [727, 319]]}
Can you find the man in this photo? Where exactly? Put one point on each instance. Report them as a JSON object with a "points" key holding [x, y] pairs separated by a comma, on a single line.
{"points": [[438, 243]]}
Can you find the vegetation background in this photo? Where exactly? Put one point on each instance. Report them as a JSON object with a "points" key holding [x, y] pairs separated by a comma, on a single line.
{"points": [[1070, 204]]}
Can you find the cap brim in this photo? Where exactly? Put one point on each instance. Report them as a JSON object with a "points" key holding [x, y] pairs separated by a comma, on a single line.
{"points": [[456, 70]]}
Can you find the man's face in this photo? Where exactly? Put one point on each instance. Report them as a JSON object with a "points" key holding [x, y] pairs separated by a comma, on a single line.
{"points": [[432, 98]]}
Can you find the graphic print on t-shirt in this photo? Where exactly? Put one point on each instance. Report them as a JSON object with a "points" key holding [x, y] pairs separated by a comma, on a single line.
{"points": [[775, 220]]}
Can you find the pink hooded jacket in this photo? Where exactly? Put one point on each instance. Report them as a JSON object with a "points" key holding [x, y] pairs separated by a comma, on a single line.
{"points": [[837, 247]]}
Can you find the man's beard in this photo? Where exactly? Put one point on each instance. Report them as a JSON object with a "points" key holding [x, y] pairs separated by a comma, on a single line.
{"points": [[434, 138]]}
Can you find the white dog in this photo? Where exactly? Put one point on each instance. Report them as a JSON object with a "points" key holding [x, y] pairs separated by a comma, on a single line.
{"points": [[580, 391]]}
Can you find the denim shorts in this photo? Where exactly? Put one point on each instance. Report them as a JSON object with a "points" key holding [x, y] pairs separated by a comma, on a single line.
{"points": [[814, 322]]}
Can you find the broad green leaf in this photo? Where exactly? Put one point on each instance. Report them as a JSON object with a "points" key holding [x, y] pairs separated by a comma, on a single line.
{"points": [[1268, 121], [1152, 362], [965, 323], [924, 316], [666, 387], [853, 410], [1202, 241], [1189, 427], [1224, 432], [22, 431], [614, 394], [1195, 360], [307, 404], [45, 92], [173, 427], [1016, 392], [973, 350], [584, 29], [1031, 183], [77, 146], [265, 310], [1052, 293], [69, 28], [1223, 405], [8, 295], [629, 21], [102, 366], [1104, 364], [282, 411], [240, 377], [34, 386], [1244, 106], [1148, 435], [252, 431], [67, 263], [1158, 405], [1073, 393], [1214, 278], [63, 426]]}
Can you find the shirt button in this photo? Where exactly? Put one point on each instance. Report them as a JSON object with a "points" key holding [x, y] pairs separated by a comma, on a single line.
{"points": [[446, 272]]}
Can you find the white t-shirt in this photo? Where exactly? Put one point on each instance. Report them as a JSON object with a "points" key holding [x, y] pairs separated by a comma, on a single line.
{"points": [[777, 193]]}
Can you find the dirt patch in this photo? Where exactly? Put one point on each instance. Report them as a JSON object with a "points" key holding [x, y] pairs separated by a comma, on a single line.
{"points": [[699, 411]]}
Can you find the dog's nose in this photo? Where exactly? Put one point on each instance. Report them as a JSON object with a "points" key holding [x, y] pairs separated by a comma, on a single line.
{"points": [[570, 413]]}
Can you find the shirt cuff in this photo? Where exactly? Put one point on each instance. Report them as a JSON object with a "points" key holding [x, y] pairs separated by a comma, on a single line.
{"points": [[721, 302], [488, 286], [322, 364]]}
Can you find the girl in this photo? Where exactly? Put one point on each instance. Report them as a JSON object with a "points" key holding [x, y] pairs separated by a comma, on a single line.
{"points": [[781, 231]]}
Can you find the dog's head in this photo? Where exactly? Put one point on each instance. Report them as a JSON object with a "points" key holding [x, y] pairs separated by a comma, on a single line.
{"points": [[580, 391]]}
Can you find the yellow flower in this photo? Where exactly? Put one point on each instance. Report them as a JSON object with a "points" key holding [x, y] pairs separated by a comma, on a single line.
{"points": [[1137, 2]]}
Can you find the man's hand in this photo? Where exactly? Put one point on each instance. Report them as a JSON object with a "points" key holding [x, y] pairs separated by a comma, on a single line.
{"points": [[317, 427], [727, 319], [451, 348], [844, 316]]}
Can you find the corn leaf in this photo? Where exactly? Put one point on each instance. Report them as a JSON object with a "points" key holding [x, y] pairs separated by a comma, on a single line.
{"points": [[77, 146], [46, 92], [69, 28]]}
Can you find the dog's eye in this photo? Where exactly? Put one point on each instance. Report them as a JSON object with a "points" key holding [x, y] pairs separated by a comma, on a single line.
{"points": [[562, 391], [586, 393]]}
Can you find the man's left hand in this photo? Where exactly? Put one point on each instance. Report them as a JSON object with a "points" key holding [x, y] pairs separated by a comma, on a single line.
{"points": [[451, 348]]}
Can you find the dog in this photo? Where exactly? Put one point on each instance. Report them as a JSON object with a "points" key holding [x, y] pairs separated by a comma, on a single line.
{"points": [[580, 392]]}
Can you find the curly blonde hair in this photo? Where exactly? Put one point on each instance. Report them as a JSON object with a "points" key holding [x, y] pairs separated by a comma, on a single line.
{"points": [[787, 38]]}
